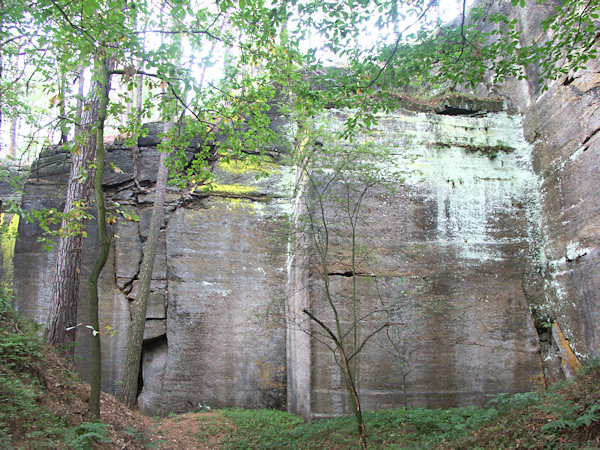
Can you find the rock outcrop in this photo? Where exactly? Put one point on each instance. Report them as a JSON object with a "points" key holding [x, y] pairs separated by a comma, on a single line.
{"points": [[449, 249], [486, 251], [562, 124], [220, 263]]}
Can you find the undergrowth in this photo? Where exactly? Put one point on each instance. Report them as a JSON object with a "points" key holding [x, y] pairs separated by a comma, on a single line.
{"points": [[565, 416], [25, 422]]}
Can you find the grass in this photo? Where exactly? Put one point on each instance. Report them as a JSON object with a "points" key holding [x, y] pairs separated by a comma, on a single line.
{"points": [[399, 428], [565, 416]]}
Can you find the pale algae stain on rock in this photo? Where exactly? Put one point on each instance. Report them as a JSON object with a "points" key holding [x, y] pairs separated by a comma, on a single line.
{"points": [[240, 167], [438, 154], [233, 190], [450, 243], [562, 122]]}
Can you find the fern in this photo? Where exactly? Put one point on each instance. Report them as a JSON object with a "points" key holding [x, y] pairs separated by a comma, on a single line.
{"points": [[81, 437], [569, 416]]}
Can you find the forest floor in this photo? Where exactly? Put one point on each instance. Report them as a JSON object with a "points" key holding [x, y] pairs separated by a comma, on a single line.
{"points": [[43, 404]]}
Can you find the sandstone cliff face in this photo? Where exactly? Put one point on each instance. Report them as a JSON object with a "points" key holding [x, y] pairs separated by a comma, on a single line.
{"points": [[449, 248], [563, 126], [489, 240], [220, 264]]}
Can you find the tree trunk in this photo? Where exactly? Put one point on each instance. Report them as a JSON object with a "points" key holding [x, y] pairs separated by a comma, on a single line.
{"points": [[12, 143], [354, 399], [96, 374], [65, 276], [62, 108], [129, 381], [349, 379], [79, 108]]}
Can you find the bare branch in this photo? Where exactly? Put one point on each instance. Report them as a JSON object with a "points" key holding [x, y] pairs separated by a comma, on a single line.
{"points": [[326, 328], [357, 351]]}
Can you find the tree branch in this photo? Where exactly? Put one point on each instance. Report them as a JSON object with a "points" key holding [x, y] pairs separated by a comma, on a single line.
{"points": [[360, 347], [75, 27], [325, 327], [397, 44]]}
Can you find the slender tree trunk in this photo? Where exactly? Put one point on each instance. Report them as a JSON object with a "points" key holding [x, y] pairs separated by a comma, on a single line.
{"points": [[62, 112], [12, 143], [354, 400], [64, 299], [79, 109], [129, 382], [96, 374], [348, 377]]}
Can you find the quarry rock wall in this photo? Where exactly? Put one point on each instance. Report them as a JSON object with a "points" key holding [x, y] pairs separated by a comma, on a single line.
{"points": [[450, 244], [562, 123], [486, 249]]}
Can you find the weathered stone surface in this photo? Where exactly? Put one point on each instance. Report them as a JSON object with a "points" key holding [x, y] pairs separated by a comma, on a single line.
{"points": [[118, 284], [448, 250], [562, 124], [450, 244], [157, 299], [154, 359], [32, 287], [128, 251], [154, 329], [119, 167], [225, 267], [12, 179], [52, 164], [570, 365], [171, 196], [152, 138], [567, 154], [114, 321]]}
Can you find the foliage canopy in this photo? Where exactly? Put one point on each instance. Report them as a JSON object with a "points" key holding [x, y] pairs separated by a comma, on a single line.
{"points": [[226, 62]]}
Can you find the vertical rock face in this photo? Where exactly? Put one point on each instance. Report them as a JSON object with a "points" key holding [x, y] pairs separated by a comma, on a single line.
{"points": [[567, 156], [225, 341], [563, 124], [485, 242], [448, 251], [215, 331]]}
